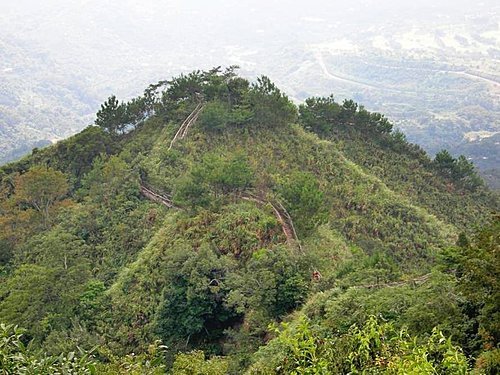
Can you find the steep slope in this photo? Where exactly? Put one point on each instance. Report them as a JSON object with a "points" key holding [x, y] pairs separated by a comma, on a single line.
{"points": [[404, 167], [360, 210], [121, 236]]}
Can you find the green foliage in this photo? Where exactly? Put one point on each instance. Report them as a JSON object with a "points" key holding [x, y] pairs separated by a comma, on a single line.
{"points": [[56, 248], [194, 363], [109, 267], [237, 231], [318, 114], [17, 358], [379, 346], [117, 118], [184, 87], [112, 219], [110, 181], [30, 203], [307, 354], [92, 303], [218, 115], [304, 200], [151, 362], [270, 107], [478, 269], [136, 112], [273, 282], [215, 175], [242, 229], [191, 192], [215, 116], [111, 116], [403, 167], [41, 297], [74, 156], [192, 310], [417, 307], [40, 188], [444, 162], [213, 86], [322, 115], [488, 362], [459, 170], [375, 348]]}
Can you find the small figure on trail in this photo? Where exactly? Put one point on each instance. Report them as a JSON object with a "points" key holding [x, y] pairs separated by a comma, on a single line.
{"points": [[316, 276]]}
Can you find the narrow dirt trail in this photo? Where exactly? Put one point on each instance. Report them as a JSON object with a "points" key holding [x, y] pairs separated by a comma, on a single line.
{"points": [[279, 210]]}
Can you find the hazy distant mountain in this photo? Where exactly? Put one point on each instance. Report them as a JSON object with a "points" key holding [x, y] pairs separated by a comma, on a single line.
{"points": [[432, 68]]}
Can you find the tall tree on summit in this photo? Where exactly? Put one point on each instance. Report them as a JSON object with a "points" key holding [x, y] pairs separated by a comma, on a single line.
{"points": [[111, 116]]}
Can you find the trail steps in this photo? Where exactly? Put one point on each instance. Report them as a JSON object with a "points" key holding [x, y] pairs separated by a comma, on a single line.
{"points": [[164, 199], [279, 210], [191, 119], [283, 217]]}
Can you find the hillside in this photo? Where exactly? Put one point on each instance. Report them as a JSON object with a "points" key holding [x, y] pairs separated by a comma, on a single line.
{"points": [[177, 232]]}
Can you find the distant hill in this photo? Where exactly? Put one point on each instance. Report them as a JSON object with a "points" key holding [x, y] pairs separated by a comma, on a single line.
{"points": [[40, 102]]}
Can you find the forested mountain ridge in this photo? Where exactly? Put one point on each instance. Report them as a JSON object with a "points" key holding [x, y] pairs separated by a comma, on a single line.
{"points": [[184, 243]]}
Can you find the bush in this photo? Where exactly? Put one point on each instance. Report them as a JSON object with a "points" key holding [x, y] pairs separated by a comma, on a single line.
{"points": [[192, 310], [194, 363], [304, 200], [216, 175], [18, 358], [375, 348], [215, 116]]}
